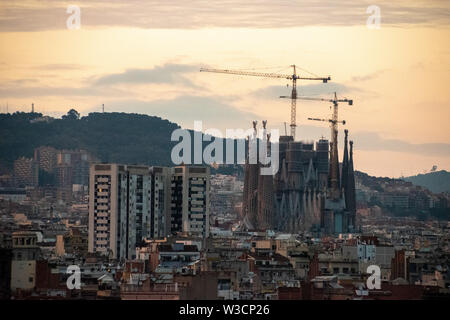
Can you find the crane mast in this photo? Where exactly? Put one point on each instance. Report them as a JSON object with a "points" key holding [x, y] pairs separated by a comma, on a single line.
{"points": [[334, 174], [294, 77], [294, 105]]}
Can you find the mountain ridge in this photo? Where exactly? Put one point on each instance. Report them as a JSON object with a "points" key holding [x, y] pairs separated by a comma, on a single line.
{"points": [[116, 137], [437, 181]]}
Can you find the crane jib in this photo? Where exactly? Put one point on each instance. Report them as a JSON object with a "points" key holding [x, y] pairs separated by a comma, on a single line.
{"points": [[294, 77]]}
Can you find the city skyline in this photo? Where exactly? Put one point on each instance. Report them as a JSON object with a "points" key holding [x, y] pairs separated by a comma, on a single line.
{"points": [[138, 62], [216, 158]]}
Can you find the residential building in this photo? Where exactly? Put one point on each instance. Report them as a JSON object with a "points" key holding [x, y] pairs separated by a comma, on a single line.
{"points": [[129, 203], [190, 204]]}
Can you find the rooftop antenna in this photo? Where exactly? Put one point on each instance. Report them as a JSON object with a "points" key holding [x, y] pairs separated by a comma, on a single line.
{"points": [[103, 108], [32, 108]]}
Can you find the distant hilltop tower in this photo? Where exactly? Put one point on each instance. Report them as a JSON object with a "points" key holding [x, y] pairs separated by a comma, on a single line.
{"points": [[32, 108]]}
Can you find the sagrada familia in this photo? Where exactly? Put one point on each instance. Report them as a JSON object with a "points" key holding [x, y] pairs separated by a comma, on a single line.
{"points": [[311, 191]]}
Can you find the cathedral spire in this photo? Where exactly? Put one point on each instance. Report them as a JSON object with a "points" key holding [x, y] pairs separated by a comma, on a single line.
{"points": [[344, 172], [351, 195]]}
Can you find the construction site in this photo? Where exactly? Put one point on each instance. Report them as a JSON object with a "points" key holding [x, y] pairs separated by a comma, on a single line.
{"points": [[312, 190]]}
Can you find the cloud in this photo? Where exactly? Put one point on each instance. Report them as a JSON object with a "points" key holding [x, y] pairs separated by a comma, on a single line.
{"points": [[21, 82], [369, 76], [36, 15], [101, 86], [17, 91], [372, 141], [61, 66], [168, 73], [308, 90]]}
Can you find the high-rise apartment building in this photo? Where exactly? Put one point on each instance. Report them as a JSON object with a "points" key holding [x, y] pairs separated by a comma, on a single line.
{"points": [[160, 214], [26, 172], [134, 216], [46, 158], [73, 167], [103, 209], [120, 201], [128, 203], [190, 203]]}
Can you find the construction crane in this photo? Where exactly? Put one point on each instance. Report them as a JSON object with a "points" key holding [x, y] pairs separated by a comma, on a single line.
{"points": [[294, 77], [334, 120], [334, 133]]}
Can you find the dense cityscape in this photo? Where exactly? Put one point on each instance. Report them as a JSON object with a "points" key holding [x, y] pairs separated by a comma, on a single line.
{"points": [[150, 232], [224, 159]]}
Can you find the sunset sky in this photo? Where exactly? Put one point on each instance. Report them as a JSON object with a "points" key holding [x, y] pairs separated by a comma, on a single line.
{"points": [[144, 57]]}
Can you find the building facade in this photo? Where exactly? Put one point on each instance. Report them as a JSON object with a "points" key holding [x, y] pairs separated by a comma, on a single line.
{"points": [[190, 202], [309, 191], [23, 266], [129, 203], [46, 158], [26, 172]]}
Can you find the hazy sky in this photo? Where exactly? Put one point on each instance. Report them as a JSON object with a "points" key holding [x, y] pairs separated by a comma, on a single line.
{"points": [[144, 57]]}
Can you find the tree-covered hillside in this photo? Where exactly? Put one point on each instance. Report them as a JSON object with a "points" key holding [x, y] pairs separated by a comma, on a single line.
{"points": [[111, 137], [438, 181]]}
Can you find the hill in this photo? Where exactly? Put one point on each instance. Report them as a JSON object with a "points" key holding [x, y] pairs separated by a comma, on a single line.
{"points": [[111, 137], [437, 182]]}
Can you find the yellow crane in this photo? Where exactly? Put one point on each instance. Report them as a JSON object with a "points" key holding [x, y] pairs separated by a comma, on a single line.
{"points": [[294, 77], [334, 133], [334, 121]]}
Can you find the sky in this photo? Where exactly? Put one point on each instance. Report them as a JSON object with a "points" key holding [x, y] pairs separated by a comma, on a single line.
{"points": [[144, 57]]}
